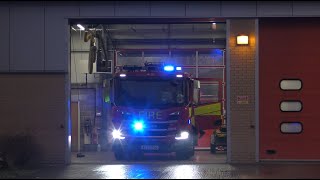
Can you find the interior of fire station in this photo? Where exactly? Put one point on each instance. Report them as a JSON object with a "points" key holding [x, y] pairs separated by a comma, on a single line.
{"points": [[98, 50]]}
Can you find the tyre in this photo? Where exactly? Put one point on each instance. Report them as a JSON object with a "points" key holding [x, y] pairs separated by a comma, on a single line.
{"points": [[195, 139], [192, 152], [213, 148]]}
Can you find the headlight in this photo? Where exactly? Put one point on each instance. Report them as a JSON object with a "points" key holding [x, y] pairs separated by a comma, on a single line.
{"points": [[182, 135], [116, 134]]}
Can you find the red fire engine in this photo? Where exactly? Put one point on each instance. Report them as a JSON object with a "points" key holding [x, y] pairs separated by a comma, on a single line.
{"points": [[153, 111]]}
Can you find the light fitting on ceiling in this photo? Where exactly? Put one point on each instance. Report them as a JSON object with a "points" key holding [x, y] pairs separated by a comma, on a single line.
{"points": [[242, 40], [214, 26], [80, 26]]}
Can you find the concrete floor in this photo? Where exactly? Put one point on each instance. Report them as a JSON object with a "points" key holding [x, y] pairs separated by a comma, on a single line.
{"points": [[203, 165]]}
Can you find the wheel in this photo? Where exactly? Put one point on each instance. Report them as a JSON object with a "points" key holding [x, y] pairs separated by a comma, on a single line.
{"points": [[192, 152], [213, 148], [195, 139], [119, 155]]}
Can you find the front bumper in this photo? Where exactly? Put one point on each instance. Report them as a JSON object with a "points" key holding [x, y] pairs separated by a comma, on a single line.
{"points": [[148, 145]]}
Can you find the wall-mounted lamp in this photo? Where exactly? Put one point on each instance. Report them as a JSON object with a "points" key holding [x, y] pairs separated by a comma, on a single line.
{"points": [[242, 40]]}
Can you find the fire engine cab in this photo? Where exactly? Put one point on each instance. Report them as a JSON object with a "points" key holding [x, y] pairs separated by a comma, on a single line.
{"points": [[153, 111]]}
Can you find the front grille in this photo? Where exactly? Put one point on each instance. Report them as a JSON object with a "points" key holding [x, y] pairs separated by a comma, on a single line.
{"points": [[152, 128]]}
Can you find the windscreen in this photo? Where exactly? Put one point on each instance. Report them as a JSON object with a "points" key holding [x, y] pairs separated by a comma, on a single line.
{"points": [[151, 93]]}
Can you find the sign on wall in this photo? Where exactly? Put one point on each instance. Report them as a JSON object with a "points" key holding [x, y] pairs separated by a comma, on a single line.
{"points": [[242, 100]]}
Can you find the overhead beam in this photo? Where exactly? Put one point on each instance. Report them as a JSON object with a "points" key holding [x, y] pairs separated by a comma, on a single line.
{"points": [[170, 41], [182, 35]]}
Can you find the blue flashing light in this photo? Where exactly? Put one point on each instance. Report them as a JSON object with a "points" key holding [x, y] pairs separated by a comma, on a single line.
{"points": [[138, 126], [217, 52], [168, 68], [178, 68], [189, 121]]}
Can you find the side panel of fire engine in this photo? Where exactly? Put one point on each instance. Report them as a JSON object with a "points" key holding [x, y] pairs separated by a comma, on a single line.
{"points": [[289, 89], [208, 112]]}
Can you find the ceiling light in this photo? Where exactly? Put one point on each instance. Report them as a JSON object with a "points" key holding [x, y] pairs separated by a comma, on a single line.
{"points": [[214, 26], [80, 26]]}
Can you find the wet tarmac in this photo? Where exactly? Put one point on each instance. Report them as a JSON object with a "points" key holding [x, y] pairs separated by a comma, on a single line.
{"points": [[166, 168], [170, 171], [108, 158]]}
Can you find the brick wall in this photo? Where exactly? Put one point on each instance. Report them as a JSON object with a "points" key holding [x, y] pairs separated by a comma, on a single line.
{"points": [[242, 83]]}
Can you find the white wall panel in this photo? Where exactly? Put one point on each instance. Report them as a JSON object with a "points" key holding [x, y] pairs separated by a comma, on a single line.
{"points": [[168, 8], [27, 37], [203, 8], [132, 8], [77, 41], [4, 36], [79, 59], [274, 8], [306, 8], [238, 9], [97, 8], [56, 41]]}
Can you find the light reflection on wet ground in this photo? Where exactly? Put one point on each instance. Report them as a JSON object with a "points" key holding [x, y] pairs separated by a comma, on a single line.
{"points": [[171, 171], [201, 166]]}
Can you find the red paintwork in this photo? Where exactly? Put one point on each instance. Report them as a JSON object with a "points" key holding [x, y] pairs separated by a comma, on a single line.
{"points": [[204, 141], [289, 48], [182, 123]]}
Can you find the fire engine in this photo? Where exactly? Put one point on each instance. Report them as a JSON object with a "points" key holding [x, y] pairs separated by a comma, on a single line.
{"points": [[153, 111]]}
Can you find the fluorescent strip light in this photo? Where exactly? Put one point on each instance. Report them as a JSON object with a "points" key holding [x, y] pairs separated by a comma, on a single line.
{"points": [[80, 26]]}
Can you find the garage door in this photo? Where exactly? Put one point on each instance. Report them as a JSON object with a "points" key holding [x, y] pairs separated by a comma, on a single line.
{"points": [[289, 67]]}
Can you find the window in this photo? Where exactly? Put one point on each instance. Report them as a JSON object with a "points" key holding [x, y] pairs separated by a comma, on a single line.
{"points": [[291, 127], [212, 57], [290, 84], [209, 93], [211, 73], [291, 106]]}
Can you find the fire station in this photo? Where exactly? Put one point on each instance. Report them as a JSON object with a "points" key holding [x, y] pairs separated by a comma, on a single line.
{"points": [[249, 68]]}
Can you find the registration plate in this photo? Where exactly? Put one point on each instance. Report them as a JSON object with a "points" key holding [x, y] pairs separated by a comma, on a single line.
{"points": [[150, 147]]}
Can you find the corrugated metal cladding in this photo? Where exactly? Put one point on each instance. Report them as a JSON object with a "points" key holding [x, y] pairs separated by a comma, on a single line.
{"points": [[289, 90], [43, 46]]}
